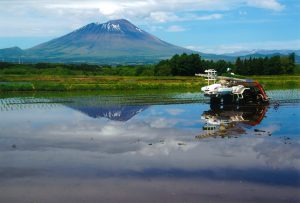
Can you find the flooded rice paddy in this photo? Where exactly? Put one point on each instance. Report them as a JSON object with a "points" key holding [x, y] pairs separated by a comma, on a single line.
{"points": [[156, 147]]}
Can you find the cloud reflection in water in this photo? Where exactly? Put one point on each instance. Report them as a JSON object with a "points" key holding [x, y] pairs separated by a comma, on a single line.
{"points": [[153, 141]]}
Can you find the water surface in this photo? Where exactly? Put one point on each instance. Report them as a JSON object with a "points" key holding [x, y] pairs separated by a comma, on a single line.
{"points": [[169, 147]]}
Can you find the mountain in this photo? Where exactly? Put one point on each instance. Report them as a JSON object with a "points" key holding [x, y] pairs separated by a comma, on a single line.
{"points": [[13, 51], [114, 41], [263, 52], [257, 53]]}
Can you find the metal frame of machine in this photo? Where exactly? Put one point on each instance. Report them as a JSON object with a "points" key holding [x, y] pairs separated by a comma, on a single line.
{"points": [[230, 90]]}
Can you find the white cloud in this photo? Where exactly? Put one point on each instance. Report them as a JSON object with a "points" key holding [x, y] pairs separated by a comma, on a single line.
{"points": [[231, 48], [55, 17], [175, 28], [163, 123], [266, 4], [163, 17], [209, 17], [113, 7]]}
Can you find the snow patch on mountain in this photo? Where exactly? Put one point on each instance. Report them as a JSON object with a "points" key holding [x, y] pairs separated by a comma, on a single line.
{"points": [[111, 27], [138, 29]]}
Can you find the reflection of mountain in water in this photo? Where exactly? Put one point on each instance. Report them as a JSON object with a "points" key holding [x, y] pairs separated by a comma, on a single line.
{"points": [[112, 108], [95, 107], [117, 113]]}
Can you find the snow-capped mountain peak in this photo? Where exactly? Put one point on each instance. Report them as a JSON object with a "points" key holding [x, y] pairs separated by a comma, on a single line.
{"points": [[114, 41], [120, 26]]}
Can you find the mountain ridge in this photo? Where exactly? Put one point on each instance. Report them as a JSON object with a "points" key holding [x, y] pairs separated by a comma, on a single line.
{"points": [[263, 52]]}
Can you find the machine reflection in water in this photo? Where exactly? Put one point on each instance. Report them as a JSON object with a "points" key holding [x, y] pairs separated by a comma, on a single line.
{"points": [[231, 120]]}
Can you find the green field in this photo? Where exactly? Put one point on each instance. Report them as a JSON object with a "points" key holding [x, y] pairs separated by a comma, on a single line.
{"points": [[100, 83], [176, 73], [279, 81], [71, 83]]}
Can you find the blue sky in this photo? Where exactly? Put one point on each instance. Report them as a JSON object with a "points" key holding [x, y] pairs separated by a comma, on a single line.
{"points": [[211, 26]]}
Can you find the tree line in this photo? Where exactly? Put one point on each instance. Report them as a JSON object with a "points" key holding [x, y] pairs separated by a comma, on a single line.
{"points": [[188, 65], [274, 65], [178, 65]]}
